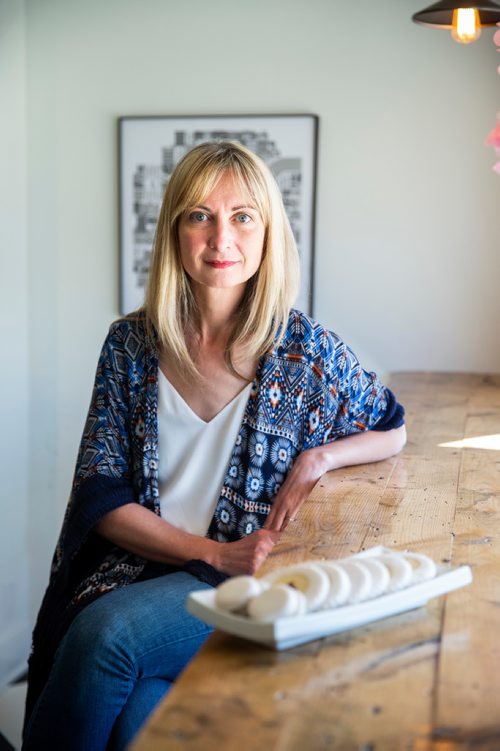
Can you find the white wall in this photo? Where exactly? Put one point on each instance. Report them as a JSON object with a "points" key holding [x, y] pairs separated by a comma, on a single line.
{"points": [[15, 620], [409, 207], [407, 257]]}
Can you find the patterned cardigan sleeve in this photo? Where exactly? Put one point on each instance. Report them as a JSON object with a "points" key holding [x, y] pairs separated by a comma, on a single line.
{"points": [[356, 399], [102, 482], [364, 403], [103, 476]]}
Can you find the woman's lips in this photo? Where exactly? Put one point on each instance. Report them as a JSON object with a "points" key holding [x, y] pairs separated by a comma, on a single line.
{"points": [[221, 264]]}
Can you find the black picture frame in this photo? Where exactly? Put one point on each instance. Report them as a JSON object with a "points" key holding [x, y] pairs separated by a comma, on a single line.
{"points": [[149, 147]]}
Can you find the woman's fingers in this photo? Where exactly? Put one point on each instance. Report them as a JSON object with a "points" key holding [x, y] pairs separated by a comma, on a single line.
{"points": [[305, 472], [279, 518], [281, 514], [286, 505], [245, 556]]}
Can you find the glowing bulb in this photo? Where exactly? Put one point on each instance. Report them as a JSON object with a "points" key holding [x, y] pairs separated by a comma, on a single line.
{"points": [[466, 25]]}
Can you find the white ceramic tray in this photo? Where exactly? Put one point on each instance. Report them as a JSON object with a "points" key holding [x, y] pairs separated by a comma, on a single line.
{"points": [[284, 633]]}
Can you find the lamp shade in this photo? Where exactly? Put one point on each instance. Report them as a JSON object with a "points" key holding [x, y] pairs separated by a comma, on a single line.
{"points": [[440, 15]]}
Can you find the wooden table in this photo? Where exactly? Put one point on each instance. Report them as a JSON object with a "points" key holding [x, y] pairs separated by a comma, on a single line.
{"points": [[427, 680]]}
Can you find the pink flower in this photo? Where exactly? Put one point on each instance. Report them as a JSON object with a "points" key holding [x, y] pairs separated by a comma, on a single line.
{"points": [[494, 137]]}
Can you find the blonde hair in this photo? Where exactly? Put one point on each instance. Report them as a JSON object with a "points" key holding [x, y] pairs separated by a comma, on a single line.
{"points": [[170, 305]]}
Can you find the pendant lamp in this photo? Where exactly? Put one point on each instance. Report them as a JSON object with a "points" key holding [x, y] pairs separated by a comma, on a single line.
{"points": [[463, 17]]}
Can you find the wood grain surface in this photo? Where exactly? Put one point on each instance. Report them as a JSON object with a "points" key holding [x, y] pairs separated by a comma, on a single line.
{"points": [[427, 680]]}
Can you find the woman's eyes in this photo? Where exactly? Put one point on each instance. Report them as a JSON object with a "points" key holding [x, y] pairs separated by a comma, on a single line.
{"points": [[198, 216], [243, 218], [201, 216]]}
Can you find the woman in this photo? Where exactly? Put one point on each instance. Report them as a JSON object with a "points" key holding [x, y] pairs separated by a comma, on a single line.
{"points": [[215, 410]]}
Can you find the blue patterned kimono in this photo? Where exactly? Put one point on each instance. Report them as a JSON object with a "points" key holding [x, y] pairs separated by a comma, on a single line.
{"points": [[307, 391]]}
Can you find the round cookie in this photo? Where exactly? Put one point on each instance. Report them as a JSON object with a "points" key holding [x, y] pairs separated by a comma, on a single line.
{"points": [[280, 601], [361, 580], [424, 567], [400, 570], [380, 576], [234, 593], [340, 584], [308, 578]]}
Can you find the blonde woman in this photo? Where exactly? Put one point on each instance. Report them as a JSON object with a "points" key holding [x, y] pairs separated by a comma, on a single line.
{"points": [[216, 408]]}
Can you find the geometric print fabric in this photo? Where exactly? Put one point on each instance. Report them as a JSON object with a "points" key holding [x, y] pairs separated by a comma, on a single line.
{"points": [[308, 390]]}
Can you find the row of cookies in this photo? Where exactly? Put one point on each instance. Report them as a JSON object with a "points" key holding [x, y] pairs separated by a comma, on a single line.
{"points": [[322, 584]]}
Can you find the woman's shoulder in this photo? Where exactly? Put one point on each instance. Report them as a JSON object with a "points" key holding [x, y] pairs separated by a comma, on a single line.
{"points": [[309, 335], [132, 327], [308, 343], [131, 338]]}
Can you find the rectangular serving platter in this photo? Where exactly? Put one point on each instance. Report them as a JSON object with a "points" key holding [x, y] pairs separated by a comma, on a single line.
{"points": [[285, 633]]}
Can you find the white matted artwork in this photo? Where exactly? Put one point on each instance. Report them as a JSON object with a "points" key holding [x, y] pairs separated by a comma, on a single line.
{"points": [[149, 149]]}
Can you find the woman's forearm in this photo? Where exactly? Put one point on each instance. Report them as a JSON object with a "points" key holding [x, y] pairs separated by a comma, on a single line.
{"points": [[360, 448], [139, 530], [142, 532]]}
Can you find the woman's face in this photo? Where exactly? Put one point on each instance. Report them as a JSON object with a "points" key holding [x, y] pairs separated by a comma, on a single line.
{"points": [[221, 240]]}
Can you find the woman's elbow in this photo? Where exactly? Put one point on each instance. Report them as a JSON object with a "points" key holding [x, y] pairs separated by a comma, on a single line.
{"points": [[399, 437]]}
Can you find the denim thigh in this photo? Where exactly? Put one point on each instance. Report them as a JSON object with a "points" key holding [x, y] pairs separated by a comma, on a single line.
{"points": [[139, 631]]}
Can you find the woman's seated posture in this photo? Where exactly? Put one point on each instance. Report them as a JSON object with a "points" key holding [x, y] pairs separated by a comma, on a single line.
{"points": [[216, 408]]}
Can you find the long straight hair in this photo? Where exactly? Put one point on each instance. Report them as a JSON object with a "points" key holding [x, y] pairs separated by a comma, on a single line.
{"points": [[170, 305]]}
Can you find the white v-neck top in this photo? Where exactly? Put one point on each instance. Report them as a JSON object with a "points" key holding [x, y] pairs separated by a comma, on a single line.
{"points": [[193, 456]]}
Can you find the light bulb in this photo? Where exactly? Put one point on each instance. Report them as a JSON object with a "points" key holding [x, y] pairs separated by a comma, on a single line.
{"points": [[466, 25]]}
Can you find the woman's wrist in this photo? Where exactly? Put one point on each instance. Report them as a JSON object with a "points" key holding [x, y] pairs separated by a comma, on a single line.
{"points": [[313, 463], [207, 550]]}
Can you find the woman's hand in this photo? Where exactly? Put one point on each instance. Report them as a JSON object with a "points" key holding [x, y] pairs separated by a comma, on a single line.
{"points": [[303, 476], [245, 556], [360, 448]]}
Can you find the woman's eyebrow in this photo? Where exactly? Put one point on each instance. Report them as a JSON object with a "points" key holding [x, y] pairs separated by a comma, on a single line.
{"points": [[200, 206], [234, 208]]}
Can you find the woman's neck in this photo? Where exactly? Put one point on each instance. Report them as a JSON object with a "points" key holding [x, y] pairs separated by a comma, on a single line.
{"points": [[217, 309]]}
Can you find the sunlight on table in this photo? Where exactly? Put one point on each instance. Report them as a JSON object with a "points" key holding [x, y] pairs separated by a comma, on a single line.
{"points": [[489, 442]]}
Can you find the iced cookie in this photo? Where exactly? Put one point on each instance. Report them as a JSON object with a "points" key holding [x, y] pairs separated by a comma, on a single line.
{"points": [[424, 567], [380, 576], [234, 593], [361, 580], [340, 584], [308, 578], [280, 601], [400, 570]]}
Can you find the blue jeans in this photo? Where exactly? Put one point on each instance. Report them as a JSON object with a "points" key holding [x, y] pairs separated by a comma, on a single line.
{"points": [[117, 660]]}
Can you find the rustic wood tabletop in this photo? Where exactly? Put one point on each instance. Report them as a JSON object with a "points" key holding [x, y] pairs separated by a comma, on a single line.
{"points": [[426, 680]]}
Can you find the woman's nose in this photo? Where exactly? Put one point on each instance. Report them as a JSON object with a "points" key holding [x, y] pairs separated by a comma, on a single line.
{"points": [[221, 235]]}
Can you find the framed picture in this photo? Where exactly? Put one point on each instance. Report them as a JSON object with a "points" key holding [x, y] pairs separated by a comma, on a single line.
{"points": [[149, 149]]}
